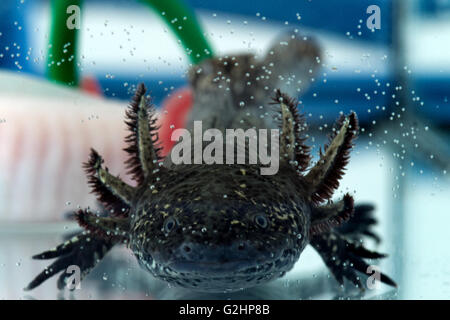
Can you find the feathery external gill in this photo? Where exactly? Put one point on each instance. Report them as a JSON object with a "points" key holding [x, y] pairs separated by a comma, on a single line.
{"points": [[143, 147], [323, 179], [292, 142]]}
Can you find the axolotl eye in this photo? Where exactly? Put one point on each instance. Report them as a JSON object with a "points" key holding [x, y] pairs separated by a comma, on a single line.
{"points": [[261, 220], [169, 224]]}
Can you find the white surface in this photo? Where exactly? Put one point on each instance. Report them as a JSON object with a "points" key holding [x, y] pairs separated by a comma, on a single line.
{"points": [[46, 132]]}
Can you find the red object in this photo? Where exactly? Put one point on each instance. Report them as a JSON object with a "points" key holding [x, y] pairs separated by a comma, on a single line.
{"points": [[90, 85], [174, 116]]}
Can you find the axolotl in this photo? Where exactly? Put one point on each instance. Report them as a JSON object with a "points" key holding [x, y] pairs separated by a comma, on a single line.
{"points": [[225, 227]]}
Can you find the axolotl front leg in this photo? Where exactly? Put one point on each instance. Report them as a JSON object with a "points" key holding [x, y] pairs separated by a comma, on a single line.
{"points": [[342, 251]]}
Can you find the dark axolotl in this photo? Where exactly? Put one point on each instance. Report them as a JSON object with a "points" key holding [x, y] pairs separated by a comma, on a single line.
{"points": [[224, 227]]}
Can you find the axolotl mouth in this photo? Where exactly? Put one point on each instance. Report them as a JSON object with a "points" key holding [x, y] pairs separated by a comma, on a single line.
{"points": [[220, 268]]}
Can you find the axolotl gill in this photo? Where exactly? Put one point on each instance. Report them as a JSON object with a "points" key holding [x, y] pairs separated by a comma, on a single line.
{"points": [[225, 227]]}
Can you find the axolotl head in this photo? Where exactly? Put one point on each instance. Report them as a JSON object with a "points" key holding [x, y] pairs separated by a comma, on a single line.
{"points": [[220, 227]]}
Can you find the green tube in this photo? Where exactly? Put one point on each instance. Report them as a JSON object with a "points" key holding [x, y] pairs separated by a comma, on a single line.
{"points": [[183, 23], [62, 51]]}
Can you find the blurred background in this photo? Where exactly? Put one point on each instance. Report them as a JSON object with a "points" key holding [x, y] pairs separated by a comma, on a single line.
{"points": [[63, 91]]}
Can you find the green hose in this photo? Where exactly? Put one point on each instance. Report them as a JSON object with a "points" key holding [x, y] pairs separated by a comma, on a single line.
{"points": [[62, 51], [183, 23]]}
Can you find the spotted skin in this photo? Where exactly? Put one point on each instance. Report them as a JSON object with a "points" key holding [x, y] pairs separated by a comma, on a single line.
{"points": [[210, 214], [222, 228]]}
